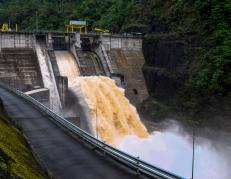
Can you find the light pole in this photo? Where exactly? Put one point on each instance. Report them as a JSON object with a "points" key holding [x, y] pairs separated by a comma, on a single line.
{"points": [[96, 118], [193, 152]]}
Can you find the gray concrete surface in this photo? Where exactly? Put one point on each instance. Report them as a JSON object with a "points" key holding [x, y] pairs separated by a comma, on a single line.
{"points": [[65, 156]]}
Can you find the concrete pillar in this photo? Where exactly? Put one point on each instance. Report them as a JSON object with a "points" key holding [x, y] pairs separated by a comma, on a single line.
{"points": [[78, 41], [49, 41], [62, 83]]}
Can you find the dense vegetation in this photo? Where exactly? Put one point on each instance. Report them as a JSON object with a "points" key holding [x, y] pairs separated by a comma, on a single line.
{"points": [[208, 20], [213, 73], [52, 14], [16, 160]]}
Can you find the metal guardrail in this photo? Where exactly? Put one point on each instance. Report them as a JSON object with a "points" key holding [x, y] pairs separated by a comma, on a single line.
{"points": [[139, 166]]}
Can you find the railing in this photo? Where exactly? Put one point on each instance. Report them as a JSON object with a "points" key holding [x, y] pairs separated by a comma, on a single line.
{"points": [[137, 165]]}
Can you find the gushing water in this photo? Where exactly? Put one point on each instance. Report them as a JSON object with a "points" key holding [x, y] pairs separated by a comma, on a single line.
{"points": [[113, 117], [108, 112], [67, 65]]}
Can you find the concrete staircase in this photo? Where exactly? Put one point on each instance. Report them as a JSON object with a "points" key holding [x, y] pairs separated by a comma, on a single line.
{"points": [[19, 68]]}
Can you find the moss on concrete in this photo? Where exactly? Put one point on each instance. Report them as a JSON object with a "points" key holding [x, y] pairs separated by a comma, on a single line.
{"points": [[16, 159]]}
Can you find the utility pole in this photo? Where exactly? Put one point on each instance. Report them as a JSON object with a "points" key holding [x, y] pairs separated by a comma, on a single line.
{"points": [[193, 151], [94, 108], [96, 115]]}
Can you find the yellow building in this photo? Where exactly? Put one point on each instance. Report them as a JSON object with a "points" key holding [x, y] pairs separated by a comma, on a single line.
{"points": [[81, 26]]}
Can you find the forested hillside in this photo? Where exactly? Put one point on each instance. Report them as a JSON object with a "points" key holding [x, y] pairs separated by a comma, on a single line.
{"points": [[52, 14], [205, 26]]}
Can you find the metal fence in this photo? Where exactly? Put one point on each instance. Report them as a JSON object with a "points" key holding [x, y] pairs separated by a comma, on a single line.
{"points": [[137, 165]]}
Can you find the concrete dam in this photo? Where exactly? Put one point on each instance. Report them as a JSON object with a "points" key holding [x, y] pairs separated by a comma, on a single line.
{"points": [[93, 84], [46, 66]]}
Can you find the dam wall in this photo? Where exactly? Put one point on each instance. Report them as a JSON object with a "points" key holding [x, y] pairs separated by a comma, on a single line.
{"points": [[121, 58], [25, 65], [19, 68], [19, 65], [118, 57], [16, 40], [48, 75], [46, 46], [121, 42], [127, 59]]}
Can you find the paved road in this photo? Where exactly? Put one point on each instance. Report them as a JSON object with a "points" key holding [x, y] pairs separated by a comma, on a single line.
{"points": [[65, 156]]}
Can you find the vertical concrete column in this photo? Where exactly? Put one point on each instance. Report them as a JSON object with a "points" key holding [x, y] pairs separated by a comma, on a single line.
{"points": [[78, 40], [63, 88], [49, 41]]}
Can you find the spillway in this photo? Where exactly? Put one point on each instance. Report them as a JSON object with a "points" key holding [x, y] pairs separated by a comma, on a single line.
{"points": [[111, 117], [67, 65]]}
